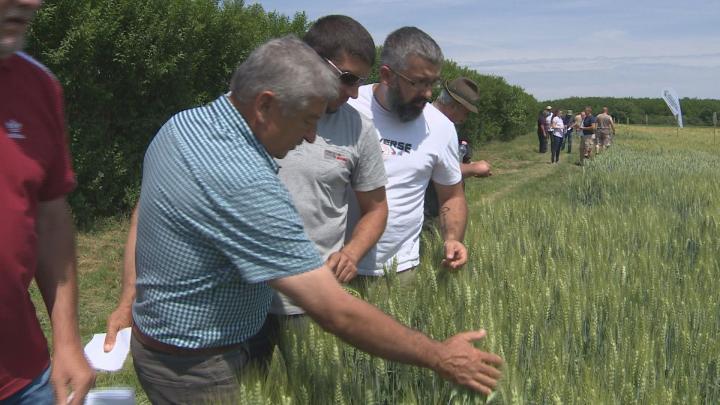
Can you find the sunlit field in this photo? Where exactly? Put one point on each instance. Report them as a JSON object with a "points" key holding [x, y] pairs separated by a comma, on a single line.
{"points": [[597, 284]]}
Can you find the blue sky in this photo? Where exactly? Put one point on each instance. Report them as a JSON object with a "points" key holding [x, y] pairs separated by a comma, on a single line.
{"points": [[557, 48]]}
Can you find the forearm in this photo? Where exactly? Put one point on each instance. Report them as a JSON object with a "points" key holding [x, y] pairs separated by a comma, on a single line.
{"points": [[369, 329], [355, 321], [467, 170], [56, 272], [366, 233], [370, 226], [127, 296], [453, 218]]}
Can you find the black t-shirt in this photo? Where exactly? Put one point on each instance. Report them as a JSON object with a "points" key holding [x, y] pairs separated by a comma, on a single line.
{"points": [[587, 122], [464, 151]]}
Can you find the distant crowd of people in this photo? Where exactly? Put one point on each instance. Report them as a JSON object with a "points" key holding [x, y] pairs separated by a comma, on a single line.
{"points": [[596, 132], [253, 210]]}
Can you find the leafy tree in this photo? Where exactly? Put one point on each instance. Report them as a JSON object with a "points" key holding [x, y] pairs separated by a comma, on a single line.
{"points": [[128, 65]]}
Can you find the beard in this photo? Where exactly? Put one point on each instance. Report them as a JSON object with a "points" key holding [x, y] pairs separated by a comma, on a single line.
{"points": [[405, 111]]}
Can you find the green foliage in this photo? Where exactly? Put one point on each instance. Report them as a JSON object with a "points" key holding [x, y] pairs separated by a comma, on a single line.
{"points": [[505, 111], [127, 66], [697, 112]]}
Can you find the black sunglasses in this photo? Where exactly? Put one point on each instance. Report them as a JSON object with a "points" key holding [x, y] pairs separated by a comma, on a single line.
{"points": [[348, 78]]}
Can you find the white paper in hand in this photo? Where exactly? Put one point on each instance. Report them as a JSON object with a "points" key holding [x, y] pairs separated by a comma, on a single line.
{"points": [[111, 396], [113, 360]]}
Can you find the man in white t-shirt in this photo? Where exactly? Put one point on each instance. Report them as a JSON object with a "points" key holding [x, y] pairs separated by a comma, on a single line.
{"points": [[419, 145]]}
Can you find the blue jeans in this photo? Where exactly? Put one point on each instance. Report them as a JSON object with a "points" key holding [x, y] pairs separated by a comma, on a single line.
{"points": [[39, 392], [556, 145], [567, 141]]}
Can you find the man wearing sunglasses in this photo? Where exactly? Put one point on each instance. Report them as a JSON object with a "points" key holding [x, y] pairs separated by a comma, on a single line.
{"points": [[345, 154], [419, 145]]}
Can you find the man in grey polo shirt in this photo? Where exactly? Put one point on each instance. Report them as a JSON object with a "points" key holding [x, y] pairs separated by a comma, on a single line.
{"points": [[217, 230], [345, 153], [344, 158]]}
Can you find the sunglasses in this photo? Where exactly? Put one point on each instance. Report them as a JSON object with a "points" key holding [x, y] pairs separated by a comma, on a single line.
{"points": [[348, 78]]}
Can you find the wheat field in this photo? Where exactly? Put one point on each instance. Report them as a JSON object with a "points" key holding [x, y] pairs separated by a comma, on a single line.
{"points": [[597, 284]]}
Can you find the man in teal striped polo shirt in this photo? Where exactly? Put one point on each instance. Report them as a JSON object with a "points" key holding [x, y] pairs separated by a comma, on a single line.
{"points": [[217, 229]]}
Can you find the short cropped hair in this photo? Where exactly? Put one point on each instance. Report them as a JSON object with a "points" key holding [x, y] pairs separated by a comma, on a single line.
{"points": [[335, 35], [290, 69], [409, 41]]}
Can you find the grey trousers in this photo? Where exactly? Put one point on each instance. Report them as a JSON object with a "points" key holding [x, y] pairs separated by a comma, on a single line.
{"points": [[201, 379]]}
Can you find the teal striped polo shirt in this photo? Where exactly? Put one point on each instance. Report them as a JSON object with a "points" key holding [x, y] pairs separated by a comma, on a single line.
{"points": [[215, 223]]}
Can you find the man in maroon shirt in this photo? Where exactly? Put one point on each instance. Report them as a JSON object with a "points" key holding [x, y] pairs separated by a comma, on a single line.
{"points": [[37, 235]]}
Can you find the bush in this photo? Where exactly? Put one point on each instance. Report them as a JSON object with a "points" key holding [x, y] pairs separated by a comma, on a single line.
{"points": [[504, 111], [127, 66], [652, 111]]}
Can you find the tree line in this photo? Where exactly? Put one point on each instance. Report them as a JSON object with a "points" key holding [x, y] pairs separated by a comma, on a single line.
{"points": [[127, 65], [650, 111]]}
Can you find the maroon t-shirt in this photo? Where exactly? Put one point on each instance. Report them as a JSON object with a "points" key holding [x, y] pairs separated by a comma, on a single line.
{"points": [[34, 167]]}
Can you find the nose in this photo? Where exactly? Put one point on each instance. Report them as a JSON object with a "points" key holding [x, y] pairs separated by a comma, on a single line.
{"points": [[427, 92], [311, 134], [351, 91]]}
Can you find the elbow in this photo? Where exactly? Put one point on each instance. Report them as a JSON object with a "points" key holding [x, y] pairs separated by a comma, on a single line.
{"points": [[336, 318]]}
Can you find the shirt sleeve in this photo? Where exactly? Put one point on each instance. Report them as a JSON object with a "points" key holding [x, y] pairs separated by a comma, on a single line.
{"points": [[369, 174], [60, 178], [447, 168], [261, 233]]}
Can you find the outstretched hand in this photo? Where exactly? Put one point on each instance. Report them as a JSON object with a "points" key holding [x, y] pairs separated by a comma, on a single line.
{"points": [[463, 364]]}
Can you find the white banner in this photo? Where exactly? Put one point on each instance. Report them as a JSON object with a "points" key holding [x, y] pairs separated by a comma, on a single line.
{"points": [[673, 102]]}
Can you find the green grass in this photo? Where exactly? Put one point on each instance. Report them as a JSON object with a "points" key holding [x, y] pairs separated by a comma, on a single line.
{"points": [[597, 284]]}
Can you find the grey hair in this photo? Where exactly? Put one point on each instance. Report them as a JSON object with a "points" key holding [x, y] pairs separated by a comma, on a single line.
{"points": [[290, 69], [409, 41], [446, 99]]}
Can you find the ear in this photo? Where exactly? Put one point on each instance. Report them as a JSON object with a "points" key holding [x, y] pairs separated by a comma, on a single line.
{"points": [[264, 103], [385, 74]]}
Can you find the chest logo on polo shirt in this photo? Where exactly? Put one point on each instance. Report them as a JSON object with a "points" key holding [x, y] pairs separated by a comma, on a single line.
{"points": [[14, 129], [329, 154]]}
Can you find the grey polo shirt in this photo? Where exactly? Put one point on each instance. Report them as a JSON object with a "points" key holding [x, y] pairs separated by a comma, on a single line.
{"points": [[345, 156]]}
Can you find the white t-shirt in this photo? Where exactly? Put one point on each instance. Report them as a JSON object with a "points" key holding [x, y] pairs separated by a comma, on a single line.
{"points": [[558, 127], [414, 152]]}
